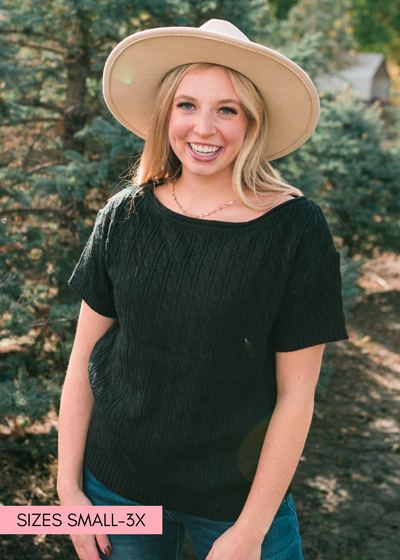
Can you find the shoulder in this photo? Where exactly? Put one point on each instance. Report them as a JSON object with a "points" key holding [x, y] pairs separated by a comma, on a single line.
{"points": [[123, 204], [308, 218], [304, 231], [314, 237], [299, 215], [311, 242], [309, 211], [118, 199], [115, 210]]}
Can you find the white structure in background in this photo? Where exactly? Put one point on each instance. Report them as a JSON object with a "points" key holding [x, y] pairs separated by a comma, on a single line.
{"points": [[367, 77]]}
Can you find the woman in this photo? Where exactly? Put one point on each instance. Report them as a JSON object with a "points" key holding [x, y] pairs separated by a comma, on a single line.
{"points": [[209, 289]]}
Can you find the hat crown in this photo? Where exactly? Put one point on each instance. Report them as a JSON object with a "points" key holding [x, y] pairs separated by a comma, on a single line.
{"points": [[224, 27]]}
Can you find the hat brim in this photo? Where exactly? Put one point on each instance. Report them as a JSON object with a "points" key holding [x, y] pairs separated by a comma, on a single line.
{"points": [[135, 67]]}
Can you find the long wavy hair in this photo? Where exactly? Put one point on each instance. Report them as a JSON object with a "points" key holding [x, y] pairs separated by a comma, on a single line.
{"points": [[158, 163]]}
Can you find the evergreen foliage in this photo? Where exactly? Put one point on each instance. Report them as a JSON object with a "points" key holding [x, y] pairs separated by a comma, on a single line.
{"points": [[25, 400], [355, 176], [316, 34], [282, 7], [62, 155], [377, 26]]}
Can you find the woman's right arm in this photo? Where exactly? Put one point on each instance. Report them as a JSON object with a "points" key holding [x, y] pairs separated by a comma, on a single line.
{"points": [[75, 412]]}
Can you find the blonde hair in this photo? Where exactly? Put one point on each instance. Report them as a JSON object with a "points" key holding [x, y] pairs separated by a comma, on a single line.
{"points": [[158, 163]]}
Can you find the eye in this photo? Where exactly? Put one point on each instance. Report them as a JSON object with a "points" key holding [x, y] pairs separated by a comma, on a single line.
{"points": [[230, 111], [225, 110], [182, 103]]}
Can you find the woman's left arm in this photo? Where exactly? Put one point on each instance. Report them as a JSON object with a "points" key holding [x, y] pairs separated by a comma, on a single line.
{"points": [[297, 375]]}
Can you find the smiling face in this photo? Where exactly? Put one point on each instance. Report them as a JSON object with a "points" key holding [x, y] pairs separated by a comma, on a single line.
{"points": [[207, 123]]}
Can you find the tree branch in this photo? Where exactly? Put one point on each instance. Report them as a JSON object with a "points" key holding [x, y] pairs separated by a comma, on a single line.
{"points": [[42, 323], [46, 322], [40, 104], [62, 52], [6, 279], [28, 33], [19, 211], [42, 166], [27, 121]]}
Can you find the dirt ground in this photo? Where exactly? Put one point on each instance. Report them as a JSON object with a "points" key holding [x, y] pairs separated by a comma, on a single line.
{"points": [[347, 485]]}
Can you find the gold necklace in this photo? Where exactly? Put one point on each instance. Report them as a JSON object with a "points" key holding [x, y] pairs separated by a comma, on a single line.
{"points": [[199, 215]]}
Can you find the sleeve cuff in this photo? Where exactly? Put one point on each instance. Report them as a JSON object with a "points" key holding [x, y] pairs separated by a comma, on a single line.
{"points": [[94, 302], [311, 339]]}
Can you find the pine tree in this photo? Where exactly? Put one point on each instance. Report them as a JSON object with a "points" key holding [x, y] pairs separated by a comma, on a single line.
{"points": [[355, 174], [62, 155]]}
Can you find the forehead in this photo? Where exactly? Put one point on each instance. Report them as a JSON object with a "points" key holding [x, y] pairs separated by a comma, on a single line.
{"points": [[209, 81]]}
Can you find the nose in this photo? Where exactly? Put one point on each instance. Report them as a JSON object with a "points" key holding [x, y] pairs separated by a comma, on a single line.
{"points": [[204, 125]]}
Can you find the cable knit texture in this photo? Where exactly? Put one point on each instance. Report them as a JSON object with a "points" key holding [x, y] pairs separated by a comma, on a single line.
{"points": [[184, 381]]}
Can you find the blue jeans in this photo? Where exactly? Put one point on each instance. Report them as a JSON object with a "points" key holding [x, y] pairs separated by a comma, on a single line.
{"points": [[282, 541]]}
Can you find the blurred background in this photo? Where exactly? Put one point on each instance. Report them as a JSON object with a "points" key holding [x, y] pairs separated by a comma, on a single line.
{"points": [[62, 155]]}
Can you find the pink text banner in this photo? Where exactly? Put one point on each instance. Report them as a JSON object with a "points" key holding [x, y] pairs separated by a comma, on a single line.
{"points": [[80, 520]]}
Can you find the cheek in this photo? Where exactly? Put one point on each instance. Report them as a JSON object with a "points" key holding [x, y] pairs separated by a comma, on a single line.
{"points": [[236, 134], [242, 126], [177, 128]]}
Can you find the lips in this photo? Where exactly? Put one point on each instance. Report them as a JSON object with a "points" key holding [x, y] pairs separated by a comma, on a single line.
{"points": [[203, 157]]}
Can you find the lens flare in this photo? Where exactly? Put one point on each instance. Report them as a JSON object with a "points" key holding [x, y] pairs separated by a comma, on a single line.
{"points": [[250, 449]]}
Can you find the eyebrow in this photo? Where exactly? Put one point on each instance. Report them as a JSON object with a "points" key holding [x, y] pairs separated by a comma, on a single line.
{"points": [[218, 102]]}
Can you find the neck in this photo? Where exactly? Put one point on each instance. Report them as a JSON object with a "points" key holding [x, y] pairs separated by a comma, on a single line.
{"points": [[202, 193]]}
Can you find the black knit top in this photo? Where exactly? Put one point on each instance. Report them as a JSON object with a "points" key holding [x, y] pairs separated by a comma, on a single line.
{"points": [[184, 381]]}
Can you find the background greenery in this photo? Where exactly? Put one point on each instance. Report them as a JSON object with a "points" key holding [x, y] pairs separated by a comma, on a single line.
{"points": [[62, 155]]}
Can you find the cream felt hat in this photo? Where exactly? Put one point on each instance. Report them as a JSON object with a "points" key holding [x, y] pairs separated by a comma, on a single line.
{"points": [[136, 66]]}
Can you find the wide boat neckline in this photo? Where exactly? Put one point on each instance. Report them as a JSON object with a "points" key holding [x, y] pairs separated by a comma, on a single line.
{"points": [[182, 219]]}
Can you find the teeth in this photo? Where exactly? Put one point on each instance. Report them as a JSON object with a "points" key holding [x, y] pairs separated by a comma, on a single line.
{"points": [[204, 149]]}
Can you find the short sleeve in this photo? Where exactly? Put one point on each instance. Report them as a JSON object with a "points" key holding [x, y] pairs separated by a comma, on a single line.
{"points": [[311, 311], [90, 277]]}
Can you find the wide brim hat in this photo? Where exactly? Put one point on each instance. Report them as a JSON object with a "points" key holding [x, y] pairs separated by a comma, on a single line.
{"points": [[136, 66]]}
